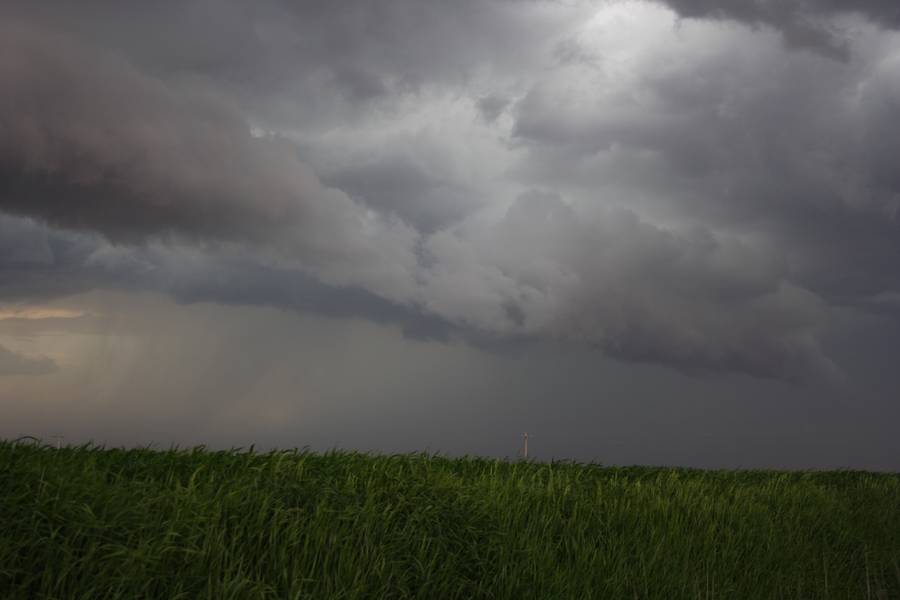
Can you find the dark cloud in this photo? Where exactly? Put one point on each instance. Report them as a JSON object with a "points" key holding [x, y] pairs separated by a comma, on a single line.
{"points": [[882, 12], [250, 284], [401, 186], [804, 23], [309, 64], [91, 143], [38, 264], [696, 196], [630, 227], [492, 106], [687, 298], [798, 160]]}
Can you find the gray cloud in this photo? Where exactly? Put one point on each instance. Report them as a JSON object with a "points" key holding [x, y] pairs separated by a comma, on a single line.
{"points": [[12, 363], [799, 160], [804, 23], [91, 143], [38, 264], [691, 299], [690, 195], [312, 64], [882, 12], [492, 106], [401, 186], [165, 373]]}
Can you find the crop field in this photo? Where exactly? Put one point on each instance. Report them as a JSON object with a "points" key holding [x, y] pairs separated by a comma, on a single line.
{"points": [[91, 523]]}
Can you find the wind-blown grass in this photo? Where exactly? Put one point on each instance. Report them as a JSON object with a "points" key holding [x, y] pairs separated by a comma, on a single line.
{"points": [[88, 522]]}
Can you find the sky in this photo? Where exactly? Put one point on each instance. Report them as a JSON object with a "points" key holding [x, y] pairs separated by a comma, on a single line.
{"points": [[644, 231]]}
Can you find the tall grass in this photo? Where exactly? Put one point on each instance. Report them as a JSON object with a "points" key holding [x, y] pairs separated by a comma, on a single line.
{"points": [[88, 522]]}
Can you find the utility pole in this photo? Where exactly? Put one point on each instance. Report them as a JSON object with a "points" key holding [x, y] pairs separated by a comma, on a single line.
{"points": [[525, 445]]}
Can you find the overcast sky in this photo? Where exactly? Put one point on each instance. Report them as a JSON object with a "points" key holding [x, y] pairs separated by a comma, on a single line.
{"points": [[645, 232]]}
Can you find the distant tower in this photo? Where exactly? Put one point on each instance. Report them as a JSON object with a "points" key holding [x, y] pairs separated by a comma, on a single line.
{"points": [[525, 445]]}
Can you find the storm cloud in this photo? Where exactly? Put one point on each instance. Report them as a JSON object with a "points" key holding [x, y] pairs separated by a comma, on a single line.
{"points": [[804, 23], [609, 175], [882, 12]]}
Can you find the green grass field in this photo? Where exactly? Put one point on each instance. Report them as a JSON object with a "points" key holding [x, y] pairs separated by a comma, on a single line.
{"points": [[94, 523]]}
